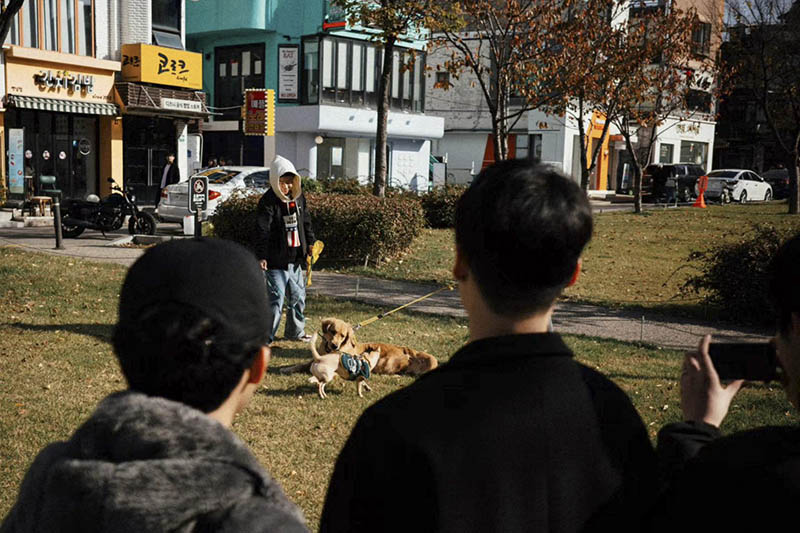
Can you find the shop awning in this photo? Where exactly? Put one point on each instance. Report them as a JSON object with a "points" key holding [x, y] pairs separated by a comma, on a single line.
{"points": [[64, 106]]}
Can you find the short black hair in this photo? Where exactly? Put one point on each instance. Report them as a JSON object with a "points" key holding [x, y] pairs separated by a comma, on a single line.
{"points": [[173, 351], [785, 282], [521, 226]]}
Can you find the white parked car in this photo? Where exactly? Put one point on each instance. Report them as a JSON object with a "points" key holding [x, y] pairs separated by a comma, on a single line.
{"points": [[222, 182], [737, 184]]}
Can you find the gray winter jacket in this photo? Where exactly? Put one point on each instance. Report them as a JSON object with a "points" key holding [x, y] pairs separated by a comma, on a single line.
{"points": [[149, 464]]}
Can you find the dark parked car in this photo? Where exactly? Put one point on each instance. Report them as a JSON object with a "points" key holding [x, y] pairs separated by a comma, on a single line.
{"points": [[779, 179], [658, 178]]}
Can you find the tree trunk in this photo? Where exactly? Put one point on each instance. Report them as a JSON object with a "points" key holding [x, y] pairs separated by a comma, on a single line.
{"points": [[384, 85], [637, 174], [794, 178], [7, 17]]}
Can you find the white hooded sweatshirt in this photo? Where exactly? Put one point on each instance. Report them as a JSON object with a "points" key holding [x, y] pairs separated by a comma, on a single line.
{"points": [[278, 168]]}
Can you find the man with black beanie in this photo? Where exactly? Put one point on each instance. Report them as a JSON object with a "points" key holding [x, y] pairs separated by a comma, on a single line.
{"points": [[160, 456]]}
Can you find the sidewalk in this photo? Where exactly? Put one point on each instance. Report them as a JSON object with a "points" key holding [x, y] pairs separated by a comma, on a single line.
{"points": [[582, 319]]}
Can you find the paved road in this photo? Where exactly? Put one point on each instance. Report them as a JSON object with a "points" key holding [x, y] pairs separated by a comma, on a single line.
{"points": [[651, 328]]}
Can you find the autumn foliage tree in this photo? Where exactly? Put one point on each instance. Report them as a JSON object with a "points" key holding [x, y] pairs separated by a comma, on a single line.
{"points": [[389, 22], [594, 72], [506, 49], [658, 62]]}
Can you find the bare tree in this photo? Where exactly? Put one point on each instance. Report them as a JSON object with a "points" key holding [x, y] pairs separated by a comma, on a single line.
{"points": [[509, 50]]}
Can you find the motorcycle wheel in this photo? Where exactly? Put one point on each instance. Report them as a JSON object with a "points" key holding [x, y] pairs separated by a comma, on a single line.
{"points": [[144, 224], [70, 232]]}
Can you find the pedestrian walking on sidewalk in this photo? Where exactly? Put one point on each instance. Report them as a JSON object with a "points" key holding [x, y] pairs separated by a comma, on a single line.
{"points": [[284, 240]]}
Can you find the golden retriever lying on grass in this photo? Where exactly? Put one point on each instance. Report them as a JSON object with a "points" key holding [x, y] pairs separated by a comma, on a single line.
{"points": [[339, 336]]}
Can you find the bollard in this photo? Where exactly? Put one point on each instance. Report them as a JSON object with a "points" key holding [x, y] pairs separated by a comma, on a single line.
{"points": [[198, 225], [57, 223]]}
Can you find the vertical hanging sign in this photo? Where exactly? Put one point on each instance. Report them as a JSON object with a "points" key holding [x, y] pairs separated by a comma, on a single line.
{"points": [[288, 72], [259, 112], [16, 160]]}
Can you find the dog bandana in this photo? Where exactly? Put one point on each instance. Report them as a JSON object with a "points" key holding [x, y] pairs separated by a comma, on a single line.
{"points": [[355, 366], [290, 223]]}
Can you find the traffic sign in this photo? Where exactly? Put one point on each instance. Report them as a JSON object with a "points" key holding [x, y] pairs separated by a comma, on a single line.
{"points": [[198, 194]]}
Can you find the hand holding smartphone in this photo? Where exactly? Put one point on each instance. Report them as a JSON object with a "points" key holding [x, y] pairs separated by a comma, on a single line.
{"points": [[744, 360]]}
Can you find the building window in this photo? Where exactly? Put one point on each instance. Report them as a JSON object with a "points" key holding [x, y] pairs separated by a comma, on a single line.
{"points": [[30, 24], [68, 25], [53, 25], [237, 68], [86, 27], [50, 24], [351, 70], [701, 39], [167, 23], [443, 79], [665, 153], [694, 152], [311, 71]]}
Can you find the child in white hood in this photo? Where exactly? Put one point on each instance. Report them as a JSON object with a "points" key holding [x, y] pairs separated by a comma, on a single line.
{"points": [[285, 238]]}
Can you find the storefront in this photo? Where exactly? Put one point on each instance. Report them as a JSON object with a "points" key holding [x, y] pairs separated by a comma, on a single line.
{"points": [[162, 114], [59, 121]]}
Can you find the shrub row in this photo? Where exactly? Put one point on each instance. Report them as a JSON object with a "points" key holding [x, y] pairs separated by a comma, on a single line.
{"points": [[440, 205], [734, 277], [351, 228]]}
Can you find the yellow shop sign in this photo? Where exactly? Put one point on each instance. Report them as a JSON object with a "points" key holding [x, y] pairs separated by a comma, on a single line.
{"points": [[163, 66]]}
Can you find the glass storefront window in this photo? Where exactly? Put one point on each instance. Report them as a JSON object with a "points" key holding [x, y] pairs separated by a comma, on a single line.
{"points": [[68, 26], [694, 152]]}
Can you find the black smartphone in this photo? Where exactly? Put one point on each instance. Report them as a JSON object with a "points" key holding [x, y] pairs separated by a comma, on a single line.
{"points": [[753, 361]]}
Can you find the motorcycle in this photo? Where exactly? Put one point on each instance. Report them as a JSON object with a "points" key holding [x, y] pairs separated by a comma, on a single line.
{"points": [[107, 214]]}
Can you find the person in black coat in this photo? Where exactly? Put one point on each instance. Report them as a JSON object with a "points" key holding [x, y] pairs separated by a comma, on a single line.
{"points": [[169, 174], [747, 481], [512, 434], [284, 240]]}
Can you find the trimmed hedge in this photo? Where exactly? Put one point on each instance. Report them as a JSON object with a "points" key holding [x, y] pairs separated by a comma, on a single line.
{"points": [[440, 206], [735, 277], [352, 228]]}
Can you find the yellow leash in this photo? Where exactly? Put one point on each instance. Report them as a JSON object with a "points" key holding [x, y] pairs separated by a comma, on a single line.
{"points": [[412, 302]]}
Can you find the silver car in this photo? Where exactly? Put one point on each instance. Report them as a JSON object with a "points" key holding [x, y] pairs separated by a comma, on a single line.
{"points": [[737, 184], [222, 182]]}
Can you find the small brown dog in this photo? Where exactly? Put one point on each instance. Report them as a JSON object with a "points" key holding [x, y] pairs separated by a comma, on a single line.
{"points": [[338, 335], [326, 367]]}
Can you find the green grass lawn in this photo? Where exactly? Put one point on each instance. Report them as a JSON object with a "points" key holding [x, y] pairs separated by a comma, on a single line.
{"points": [[632, 260], [56, 364]]}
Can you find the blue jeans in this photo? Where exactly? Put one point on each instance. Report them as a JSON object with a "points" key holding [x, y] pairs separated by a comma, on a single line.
{"points": [[287, 285]]}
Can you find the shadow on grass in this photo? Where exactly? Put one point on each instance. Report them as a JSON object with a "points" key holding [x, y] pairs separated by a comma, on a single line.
{"points": [[299, 390], [102, 332], [292, 353]]}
